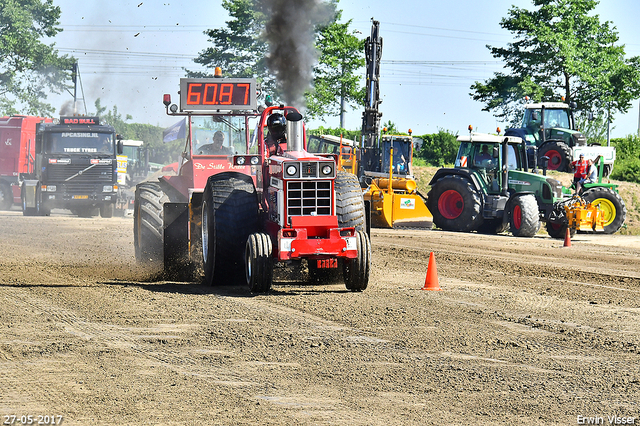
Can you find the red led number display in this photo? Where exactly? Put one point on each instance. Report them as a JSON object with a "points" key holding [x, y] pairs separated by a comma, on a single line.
{"points": [[205, 94]]}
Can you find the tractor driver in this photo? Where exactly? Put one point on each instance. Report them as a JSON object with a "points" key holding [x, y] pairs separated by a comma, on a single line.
{"points": [[277, 125], [216, 147], [484, 158]]}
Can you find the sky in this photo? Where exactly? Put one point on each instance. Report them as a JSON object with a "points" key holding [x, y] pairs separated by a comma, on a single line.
{"points": [[130, 53]]}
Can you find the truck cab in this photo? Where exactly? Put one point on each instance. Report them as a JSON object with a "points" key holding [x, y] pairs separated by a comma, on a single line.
{"points": [[75, 168]]}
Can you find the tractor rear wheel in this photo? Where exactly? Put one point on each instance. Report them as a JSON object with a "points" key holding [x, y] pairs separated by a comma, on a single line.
{"points": [[612, 206], [258, 262], [229, 216], [524, 218], [455, 204], [356, 271], [559, 155], [349, 201], [148, 219]]}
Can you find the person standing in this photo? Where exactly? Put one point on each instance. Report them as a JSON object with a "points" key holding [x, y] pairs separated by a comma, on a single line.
{"points": [[580, 170]]}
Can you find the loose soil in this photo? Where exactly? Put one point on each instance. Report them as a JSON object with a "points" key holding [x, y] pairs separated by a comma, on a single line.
{"points": [[524, 332]]}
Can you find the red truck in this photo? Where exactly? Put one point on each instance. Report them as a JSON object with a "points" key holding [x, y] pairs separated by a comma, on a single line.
{"points": [[17, 155]]}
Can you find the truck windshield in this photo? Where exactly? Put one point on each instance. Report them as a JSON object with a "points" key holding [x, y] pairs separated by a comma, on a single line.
{"points": [[79, 143], [207, 132]]}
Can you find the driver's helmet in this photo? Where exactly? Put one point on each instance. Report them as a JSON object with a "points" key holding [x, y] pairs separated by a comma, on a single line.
{"points": [[277, 124]]}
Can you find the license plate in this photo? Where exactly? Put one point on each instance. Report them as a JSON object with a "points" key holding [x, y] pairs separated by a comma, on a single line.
{"points": [[80, 197], [327, 263]]}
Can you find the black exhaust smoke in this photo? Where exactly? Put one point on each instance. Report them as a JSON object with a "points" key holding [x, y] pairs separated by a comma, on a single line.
{"points": [[290, 34]]}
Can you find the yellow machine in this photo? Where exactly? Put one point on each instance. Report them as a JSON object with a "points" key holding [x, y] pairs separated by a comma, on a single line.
{"points": [[391, 192], [583, 216]]}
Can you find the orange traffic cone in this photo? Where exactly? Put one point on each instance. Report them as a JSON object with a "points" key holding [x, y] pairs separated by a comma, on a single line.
{"points": [[567, 238], [431, 282]]}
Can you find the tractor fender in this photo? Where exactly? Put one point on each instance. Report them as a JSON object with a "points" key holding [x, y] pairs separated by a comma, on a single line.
{"points": [[465, 173]]}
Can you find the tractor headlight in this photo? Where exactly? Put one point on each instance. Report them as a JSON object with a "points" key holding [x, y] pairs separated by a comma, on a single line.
{"points": [[255, 161], [327, 170], [240, 161], [107, 188], [292, 170]]}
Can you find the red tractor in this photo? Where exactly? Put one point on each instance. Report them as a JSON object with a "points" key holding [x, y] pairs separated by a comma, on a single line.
{"points": [[237, 205]]}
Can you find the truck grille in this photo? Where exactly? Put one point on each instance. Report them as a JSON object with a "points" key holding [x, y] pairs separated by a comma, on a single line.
{"points": [[96, 174], [312, 198]]}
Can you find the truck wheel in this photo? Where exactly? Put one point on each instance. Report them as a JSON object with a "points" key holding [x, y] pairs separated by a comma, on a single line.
{"points": [[559, 155], [258, 262], [349, 201], [455, 204], [524, 218], [229, 216], [106, 210], [6, 196], [559, 230], [148, 217], [356, 271], [612, 206]]}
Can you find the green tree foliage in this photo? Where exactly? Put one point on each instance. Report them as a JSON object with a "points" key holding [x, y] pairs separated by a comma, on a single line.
{"points": [[439, 149], [561, 49], [240, 50], [336, 83], [29, 69], [627, 167]]}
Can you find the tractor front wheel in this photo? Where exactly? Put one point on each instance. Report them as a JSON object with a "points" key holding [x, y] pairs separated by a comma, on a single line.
{"points": [[356, 271], [524, 219], [258, 262], [613, 208], [455, 204]]}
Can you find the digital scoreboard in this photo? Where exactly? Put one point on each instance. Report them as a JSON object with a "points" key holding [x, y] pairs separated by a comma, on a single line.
{"points": [[217, 94]]}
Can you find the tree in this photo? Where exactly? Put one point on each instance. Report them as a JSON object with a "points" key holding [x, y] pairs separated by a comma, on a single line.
{"points": [[30, 69], [560, 49], [238, 49], [336, 83]]}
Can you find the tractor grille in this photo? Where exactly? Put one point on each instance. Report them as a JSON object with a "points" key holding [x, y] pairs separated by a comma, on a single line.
{"points": [[96, 174], [312, 198]]}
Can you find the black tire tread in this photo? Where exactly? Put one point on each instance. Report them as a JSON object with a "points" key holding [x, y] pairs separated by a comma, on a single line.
{"points": [[530, 216], [621, 209], [471, 217], [349, 201]]}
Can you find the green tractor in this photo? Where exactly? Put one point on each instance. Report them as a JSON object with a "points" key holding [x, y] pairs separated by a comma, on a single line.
{"points": [[491, 190]]}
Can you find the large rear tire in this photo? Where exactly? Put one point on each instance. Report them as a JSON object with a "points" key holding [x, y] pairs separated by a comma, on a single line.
{"points": [[229, 216], [349, 201], [148, 218], [258, 262], [455, 204], [612, 206], [524, 218], [559, 155], [356, 271]]}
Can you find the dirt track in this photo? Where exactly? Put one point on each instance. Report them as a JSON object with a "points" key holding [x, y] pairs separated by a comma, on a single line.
{"points": [[525, 332]]}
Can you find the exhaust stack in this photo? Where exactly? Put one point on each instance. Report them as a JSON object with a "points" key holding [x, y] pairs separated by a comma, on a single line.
{"points": [[295, 135]]}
